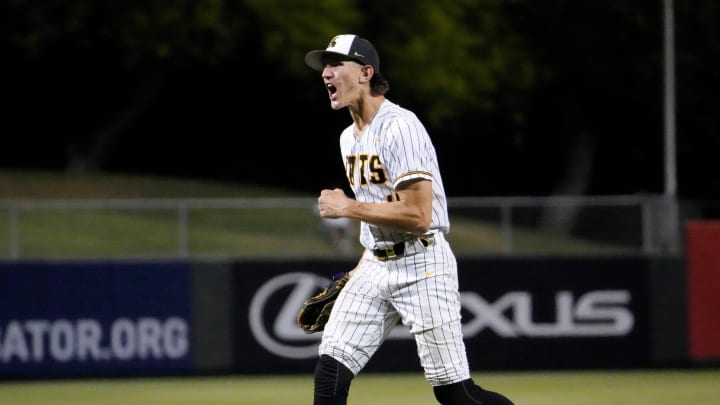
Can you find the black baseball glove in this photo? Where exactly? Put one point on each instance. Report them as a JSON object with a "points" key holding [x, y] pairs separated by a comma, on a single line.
{"points": [[315, 311]]}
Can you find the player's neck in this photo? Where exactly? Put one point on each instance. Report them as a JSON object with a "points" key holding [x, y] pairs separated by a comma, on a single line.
{"points": [[366, 111]]}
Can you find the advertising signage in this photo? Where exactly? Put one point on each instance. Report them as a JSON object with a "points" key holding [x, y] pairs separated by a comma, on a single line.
{"points": [[535, 312], [68, 319]]}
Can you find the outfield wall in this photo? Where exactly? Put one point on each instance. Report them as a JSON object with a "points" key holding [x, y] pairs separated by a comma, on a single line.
{"points": [[107, 318]]}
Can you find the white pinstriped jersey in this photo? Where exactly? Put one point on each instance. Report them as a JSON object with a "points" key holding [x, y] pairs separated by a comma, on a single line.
{"points": [[395, 148], [419, 287]]}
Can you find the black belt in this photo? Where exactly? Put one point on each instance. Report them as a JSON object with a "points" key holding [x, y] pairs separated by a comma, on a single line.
{"points": [[398, 249]]}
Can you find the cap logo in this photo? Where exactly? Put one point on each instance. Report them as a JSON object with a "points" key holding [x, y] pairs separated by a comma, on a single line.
{"points": [[349, 46]]}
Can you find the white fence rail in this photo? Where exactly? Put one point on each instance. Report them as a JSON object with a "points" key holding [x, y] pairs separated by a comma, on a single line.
{"points": [[282, 227]]}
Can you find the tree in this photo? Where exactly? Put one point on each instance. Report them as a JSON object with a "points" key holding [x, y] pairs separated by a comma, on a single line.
{"points": [[86, 54]]}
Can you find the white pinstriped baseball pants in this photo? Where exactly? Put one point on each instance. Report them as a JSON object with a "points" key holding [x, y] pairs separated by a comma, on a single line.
{"points": [[421, 291]]}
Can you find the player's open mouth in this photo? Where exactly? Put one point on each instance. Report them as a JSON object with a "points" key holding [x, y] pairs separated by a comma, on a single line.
{"points": [[332, 90]]}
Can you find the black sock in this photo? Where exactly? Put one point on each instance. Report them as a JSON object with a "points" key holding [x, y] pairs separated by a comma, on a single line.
{"points": [[332, 382]]}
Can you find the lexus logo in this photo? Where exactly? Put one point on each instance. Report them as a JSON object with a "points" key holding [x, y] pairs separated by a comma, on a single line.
{"points": [[285, 331], [598, 313]]}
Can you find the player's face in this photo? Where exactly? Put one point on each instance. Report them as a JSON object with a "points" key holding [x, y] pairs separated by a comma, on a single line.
{"points": [[342, 81]]}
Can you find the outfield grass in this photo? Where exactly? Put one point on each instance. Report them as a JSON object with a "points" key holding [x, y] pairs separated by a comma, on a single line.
{"points": [[29, 232], [657, 387]]}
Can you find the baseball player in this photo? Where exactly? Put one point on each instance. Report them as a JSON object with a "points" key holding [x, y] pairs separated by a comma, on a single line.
{"points": [[408, 271]]}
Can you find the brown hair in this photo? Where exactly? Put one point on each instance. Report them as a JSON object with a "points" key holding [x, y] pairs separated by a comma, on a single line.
{"points": [[378, 84]]}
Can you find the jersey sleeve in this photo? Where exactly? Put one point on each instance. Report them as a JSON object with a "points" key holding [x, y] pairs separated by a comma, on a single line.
{"points": [[408, 151]]}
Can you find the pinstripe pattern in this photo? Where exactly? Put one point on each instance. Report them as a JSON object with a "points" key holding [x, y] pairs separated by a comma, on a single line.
{"points": [[419, 289], [405, 151]]}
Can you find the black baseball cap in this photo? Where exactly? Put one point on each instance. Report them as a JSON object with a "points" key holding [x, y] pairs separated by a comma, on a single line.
{"points": [[347, 45]]}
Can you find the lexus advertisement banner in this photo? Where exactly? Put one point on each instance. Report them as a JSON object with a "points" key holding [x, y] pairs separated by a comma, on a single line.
{"points": [[529, 312]]}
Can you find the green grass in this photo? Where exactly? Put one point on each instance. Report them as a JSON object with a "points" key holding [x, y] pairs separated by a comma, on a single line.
{"points": [[657, 387], [485, 237], [211, 232], [132, 232]]}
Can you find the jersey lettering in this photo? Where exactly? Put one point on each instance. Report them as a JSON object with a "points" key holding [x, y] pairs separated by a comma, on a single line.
{"points": [[363, 162], [350, 167], [377, 173], [369, 167]]}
